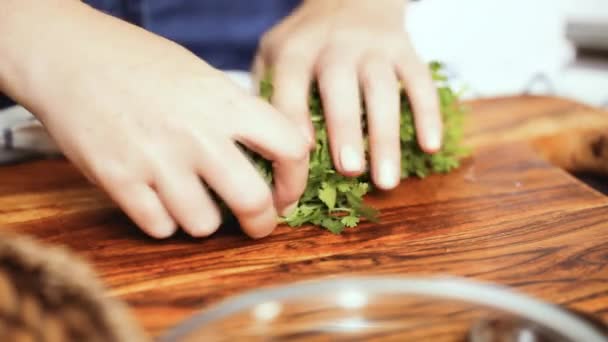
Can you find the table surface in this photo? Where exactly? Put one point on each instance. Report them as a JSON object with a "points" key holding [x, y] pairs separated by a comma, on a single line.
{"points": [[505, 216]]}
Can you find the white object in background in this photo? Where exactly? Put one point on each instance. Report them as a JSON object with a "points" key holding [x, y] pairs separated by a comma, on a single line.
{"points": [[509, 47], [22, 136], [584, 81], [495, 46]]}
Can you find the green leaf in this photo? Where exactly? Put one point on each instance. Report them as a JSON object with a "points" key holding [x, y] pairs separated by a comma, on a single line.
{"points": [[360, 189], [333, 225], [344, 187], [327, 194], [350, 221]]}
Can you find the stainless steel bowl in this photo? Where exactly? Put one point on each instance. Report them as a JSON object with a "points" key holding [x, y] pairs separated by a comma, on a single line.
{"points": [[371, 308]]}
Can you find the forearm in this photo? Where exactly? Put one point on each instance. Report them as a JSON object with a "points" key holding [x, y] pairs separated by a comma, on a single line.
{"points": [[31, 34], [54, 46], [388, 6]]}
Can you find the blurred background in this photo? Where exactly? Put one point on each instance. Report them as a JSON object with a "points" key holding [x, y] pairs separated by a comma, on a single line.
{"points": [[553, 47], [501, 48]]}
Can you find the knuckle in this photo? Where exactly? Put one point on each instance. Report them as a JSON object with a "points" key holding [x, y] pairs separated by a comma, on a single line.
{"points": [[293, 49], [267, 41], [379, 87], [254, 203], [327, 60], [415, 67], [146, 213], [403, 49], [293, 193], [299, 152], [287, 54], [332, 55], [114, 174], [368, 77], [383, 139], [396, 41]]}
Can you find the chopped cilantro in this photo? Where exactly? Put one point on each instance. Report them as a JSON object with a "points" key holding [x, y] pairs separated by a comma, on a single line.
{"points": [[335, 202]]}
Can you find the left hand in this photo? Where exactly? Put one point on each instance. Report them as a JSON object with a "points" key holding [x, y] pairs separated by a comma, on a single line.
{"points": [[349, 47]]}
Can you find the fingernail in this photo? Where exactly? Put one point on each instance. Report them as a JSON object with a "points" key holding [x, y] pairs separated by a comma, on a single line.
{"points": [[388, 177], [350, 159], [433, 141], [289, 209]]}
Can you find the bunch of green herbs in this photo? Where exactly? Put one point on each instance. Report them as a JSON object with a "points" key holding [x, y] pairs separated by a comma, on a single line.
{"points": [[335, 202]]}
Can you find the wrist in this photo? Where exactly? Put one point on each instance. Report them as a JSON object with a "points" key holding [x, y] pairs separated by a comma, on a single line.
{"points": [[65, 46], [30, 33], [389, 12]]}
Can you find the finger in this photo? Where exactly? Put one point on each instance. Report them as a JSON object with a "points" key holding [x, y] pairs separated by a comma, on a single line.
{"points": [[188, 201], [422, 94], [291, 79], [339, 89], [141, 203], [226, 170], [277, 139], [258, 72], [379, 83]]}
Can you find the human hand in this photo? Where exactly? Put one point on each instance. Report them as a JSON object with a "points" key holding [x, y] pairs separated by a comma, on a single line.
{"points": [[146, 120], [347, 45]]}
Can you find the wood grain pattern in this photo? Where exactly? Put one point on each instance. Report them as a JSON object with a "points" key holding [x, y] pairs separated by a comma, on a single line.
{"points": [[506, 216], [570, 135]]}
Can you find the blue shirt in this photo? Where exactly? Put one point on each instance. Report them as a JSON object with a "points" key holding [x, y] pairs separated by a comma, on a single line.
{"points": [[224, 33]]}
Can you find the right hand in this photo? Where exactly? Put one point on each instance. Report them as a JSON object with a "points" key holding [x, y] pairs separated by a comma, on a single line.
{"points": [[146, 120]]}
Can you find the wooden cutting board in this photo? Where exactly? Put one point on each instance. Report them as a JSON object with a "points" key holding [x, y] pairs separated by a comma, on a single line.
{"points": [[506, 216]]}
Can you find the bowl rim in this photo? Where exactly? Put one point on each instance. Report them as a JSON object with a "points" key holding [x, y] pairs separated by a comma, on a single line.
{"points": [[489, 295]]}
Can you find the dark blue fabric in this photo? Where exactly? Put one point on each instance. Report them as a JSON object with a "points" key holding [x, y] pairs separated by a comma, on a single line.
{"points": [[5, 101], [224, 33]]}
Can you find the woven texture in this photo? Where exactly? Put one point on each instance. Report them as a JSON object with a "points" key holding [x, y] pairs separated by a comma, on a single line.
{"points": [[48, 294]]}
